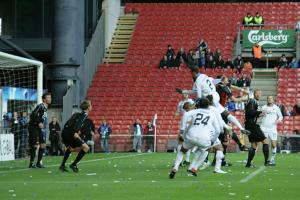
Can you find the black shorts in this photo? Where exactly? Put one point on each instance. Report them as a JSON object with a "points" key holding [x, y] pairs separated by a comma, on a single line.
{"points": [[223, 137], [36, 135], [70, 141], [257, 134]]}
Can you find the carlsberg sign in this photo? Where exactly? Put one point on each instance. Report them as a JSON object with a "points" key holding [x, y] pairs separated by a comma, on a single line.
{"points": [[269, 38]]}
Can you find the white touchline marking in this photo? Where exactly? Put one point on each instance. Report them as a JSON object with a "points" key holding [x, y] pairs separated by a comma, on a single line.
{"points": [[252, 175], [85, 161], [166, 180]]}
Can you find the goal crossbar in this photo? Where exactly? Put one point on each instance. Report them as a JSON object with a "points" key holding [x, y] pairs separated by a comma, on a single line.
{"points": [[12, 61]]}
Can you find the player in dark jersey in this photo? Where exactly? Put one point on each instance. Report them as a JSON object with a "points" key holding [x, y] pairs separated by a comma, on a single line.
{"points": [[37, 131], [257, 135], [224, 90], [75, 129]]}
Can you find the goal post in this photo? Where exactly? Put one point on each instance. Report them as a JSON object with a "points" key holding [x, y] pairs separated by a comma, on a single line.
{"points": [[8, 60], [21, 88]]}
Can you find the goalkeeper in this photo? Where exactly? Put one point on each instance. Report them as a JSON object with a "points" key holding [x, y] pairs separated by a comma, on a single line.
{"points": [[73, 133]]}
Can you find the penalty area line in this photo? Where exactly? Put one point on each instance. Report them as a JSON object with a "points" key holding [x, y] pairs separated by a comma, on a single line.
{"points": [[252, 175], [82, 162]]}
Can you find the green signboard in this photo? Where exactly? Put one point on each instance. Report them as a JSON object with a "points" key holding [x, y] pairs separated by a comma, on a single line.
{"points": [[269, 38]]}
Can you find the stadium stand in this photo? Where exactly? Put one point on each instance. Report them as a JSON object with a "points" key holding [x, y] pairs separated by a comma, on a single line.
{"points": [[138, 89], [288, 93]]}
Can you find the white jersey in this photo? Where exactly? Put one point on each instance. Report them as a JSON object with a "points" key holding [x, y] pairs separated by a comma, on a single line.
{"points": [[181, 104], [220, 121], [268, 123], [200, 127], [204, 86]]}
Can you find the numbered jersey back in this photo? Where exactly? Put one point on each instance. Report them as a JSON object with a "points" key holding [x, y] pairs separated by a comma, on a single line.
{"points": [[206, 85], [198, 122]]}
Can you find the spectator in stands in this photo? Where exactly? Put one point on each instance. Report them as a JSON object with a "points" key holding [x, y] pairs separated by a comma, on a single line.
{"points": [[239, 63], [244, 81], [210, 63], [23, 121], [174, 63], [281, 107], [201, 61], [283, 62], [229, 64], [247, 66], [294, 64], [230, 105], [181, 56], [105, 131], [289, 111], [240, 105], [233, 80], [170, 52], [217, 54], [296, 109], [208, 53], [258, 19], [248, 20], [219, 63], [149, 134], [295, 132], [190, 59], [164, 63], [202, 46], [298, 26], [137, 132], [54, 137], [257, 55]]}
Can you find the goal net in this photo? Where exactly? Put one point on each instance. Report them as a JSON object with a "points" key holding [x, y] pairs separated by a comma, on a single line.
{"points": [[21, 86]]}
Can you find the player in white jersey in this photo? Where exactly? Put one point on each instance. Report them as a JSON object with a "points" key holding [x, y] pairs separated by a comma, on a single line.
{"points": [[183, 106], [204, 86], [185, 98], [269, 123], [200, 128]]}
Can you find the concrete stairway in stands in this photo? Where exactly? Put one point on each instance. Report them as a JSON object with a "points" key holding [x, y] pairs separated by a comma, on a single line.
{"points": [[266, 81], [118, 48]]}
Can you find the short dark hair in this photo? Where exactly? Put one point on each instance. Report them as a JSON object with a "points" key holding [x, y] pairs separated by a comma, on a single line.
{"points": [[195, 70], [85, 105], [186, 106], [44, 96], [210, 98], [202, 103]]}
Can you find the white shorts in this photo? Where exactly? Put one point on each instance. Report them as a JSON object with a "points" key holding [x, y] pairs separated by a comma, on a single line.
{"points": [[272, 135], [196, 142]]}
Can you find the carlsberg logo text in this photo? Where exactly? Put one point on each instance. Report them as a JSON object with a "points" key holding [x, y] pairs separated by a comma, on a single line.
{"points": [[267, 37]]}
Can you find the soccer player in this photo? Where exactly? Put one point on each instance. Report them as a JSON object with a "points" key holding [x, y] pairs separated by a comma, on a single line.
{"points": [[257, 135], [183, 106], [269, 124], [37, 131], [199, 127], [223, 88], [74, 128], [219, 156], [204, 86]]}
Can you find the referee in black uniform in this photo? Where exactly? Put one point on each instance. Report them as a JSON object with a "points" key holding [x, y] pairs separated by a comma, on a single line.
{"points": [[73, 135], [37, 133], [257, 135]]}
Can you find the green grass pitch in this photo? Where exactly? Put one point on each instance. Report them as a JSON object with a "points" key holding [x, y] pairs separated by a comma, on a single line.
{"points": [[127, 176]]}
